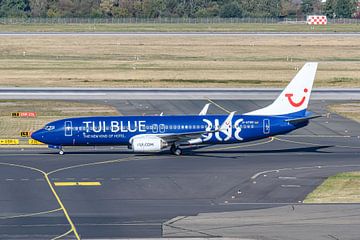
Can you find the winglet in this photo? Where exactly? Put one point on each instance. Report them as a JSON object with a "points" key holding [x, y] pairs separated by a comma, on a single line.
{"points": [[227, 124], [204, 110]]}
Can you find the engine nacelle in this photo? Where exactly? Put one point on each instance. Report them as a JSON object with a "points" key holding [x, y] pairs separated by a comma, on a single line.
{"points": [[148, 144]]}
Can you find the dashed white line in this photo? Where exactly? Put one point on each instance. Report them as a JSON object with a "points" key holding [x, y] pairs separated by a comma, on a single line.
{"points": [[290, 186], [287, 178]]}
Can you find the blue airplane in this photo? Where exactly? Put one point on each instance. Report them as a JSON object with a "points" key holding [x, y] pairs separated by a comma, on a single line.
{"points": [[156, 133]]}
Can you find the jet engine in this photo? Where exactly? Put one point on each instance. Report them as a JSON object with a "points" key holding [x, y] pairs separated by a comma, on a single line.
{"points": [[148, 144]]}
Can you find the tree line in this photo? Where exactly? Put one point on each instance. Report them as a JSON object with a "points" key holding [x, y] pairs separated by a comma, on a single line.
{"points": [[178, 8]]}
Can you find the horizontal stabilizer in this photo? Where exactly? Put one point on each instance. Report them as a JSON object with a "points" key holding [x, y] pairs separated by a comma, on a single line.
{"points": [[302, 119]]}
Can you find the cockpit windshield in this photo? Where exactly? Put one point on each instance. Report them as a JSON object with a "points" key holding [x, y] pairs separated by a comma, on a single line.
{"points": [[49, 127]]}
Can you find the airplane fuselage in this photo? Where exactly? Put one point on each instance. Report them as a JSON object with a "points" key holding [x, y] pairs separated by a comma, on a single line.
{"points": [[118, 130]]}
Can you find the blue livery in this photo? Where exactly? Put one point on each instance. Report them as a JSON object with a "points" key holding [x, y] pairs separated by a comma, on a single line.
{"points": [[156, 133]]}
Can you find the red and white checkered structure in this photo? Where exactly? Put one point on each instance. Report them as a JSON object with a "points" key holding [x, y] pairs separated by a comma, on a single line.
{"points": [[316, 20]]}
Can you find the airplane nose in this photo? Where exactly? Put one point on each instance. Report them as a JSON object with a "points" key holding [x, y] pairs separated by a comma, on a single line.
{"points": [[37, 135]]}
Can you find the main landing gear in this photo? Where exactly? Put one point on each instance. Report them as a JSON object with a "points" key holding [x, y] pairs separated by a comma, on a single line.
{"points": [[176, 150], [61, 152]]}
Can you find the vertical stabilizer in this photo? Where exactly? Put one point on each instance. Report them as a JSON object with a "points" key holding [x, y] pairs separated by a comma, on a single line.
{"points": [[295, 97]]}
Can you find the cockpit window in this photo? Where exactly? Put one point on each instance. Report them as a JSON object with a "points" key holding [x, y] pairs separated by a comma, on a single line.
{"points": [[49, 128]]}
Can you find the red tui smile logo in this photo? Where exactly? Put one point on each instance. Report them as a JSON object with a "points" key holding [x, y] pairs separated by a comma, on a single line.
{"points": [[296, 104]]}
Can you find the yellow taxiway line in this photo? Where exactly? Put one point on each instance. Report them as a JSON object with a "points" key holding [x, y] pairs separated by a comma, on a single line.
{"points": [[30, 214], [69, 184], [241, 146], [219, 106], [73, 229], [63, 235]]}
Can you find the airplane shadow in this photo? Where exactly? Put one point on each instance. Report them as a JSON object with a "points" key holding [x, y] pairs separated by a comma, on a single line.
{"points": [[313, 149], [197, 152]]}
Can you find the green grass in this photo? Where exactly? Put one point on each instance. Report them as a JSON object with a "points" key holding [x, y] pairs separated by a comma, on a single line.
{"points": [[175, 61], [350, 110], [181, 27], [341, 188]]}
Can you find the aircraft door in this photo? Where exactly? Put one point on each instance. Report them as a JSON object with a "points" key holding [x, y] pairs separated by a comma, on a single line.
{"points": [[68, 128], [266, 126]]}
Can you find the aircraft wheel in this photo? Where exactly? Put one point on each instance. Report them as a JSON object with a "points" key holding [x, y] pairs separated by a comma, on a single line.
{"points": [[172, 149], [61, 152], [178, 151]]}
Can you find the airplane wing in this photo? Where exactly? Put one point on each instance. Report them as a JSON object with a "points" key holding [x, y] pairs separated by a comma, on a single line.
{"points": [[188, 136]]}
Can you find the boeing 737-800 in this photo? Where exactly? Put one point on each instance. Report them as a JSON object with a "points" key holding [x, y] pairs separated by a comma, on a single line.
{"points": [[156, 133]]}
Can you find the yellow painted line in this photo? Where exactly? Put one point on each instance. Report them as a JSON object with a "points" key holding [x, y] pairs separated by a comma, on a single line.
{"points": [[62, 206], [89, 183], [297, 142], [70, 184], [241, 146], [314, 144], [63, 235], [94, 164], [219, 106], [73, 229], [318, 136], [65, 184], [31, 214]]}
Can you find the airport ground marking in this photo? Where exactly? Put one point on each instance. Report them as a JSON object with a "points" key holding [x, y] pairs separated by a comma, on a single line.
{"points": [[98, 163], [218, 105], [73, 229], [69, 184], [318, 136], [256, 175], [52, 190], [313, 144], [297, 142], [30, 214], [63, 235]]}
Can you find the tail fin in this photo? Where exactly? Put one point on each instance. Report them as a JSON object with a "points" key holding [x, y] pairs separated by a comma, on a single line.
{"points": [[295, 97]]}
